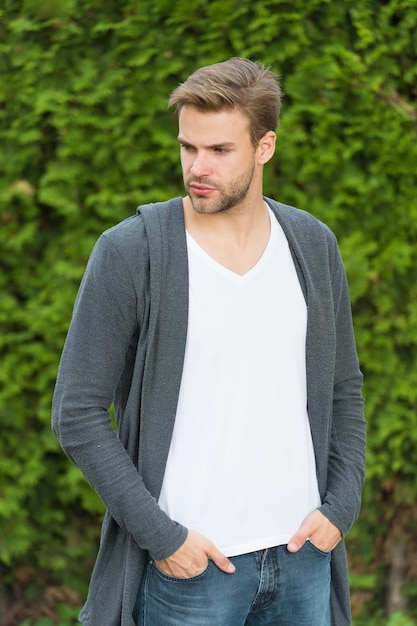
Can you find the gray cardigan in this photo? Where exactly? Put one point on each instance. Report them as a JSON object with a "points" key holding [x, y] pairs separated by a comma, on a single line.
{"points": [[126, 345]]}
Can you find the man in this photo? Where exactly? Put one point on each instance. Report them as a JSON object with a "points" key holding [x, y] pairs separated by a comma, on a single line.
{"points": [[219, 325]]}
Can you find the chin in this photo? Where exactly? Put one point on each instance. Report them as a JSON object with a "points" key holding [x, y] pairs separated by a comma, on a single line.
{"points": [[203, 209]]}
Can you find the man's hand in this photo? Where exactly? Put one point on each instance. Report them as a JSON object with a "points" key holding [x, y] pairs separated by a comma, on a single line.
{"points": [[192, 557], [321, 532]]}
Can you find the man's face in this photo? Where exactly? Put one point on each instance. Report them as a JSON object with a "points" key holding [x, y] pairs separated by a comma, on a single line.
{"points": [[217, 158]]}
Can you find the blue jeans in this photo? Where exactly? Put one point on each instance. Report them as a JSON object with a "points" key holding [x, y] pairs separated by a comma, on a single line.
{"points": [[274, 589]]}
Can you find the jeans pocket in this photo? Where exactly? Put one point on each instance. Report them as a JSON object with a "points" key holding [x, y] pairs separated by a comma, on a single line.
{"points": [[167, 577], [316, 549]]}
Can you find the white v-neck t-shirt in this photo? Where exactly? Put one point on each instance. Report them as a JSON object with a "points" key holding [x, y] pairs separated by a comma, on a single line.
{"points": [[241, 467]]}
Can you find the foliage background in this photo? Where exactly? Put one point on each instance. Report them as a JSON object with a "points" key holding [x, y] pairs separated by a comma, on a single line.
{"points": [[85, 137]]}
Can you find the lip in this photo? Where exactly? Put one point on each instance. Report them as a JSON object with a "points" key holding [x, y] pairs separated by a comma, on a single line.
{"points": [[201, 190]]}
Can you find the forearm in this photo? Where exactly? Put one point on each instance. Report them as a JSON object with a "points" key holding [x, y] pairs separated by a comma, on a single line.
{"points": [[346, 464], [90, 442]]}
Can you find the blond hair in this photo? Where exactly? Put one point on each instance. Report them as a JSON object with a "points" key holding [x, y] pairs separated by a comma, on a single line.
{"points": [[239, 84]]}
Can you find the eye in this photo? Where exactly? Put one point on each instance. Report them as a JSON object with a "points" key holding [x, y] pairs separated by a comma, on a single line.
{"points": [[220, 150], [187, 147]]}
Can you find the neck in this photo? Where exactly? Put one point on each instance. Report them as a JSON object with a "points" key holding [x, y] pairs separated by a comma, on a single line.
{"points": [[240, 221], [234, 239]]}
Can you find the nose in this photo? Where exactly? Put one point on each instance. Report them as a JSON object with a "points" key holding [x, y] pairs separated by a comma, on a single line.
{"points": [[200, 165]]}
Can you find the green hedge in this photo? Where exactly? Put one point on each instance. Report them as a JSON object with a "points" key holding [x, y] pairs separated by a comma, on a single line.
{"points": [[85, 137]]}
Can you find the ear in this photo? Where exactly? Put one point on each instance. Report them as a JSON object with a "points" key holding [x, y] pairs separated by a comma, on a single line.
{"points": [[266, 147]]}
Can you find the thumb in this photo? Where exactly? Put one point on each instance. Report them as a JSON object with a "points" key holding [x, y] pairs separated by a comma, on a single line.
{"points": [[221, 561], [305, 531], [298, 540]]}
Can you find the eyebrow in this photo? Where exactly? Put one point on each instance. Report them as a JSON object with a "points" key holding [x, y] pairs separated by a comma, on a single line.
{"points": [[220, 144]]}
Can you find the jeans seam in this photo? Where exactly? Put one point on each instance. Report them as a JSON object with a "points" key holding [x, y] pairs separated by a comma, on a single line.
{"points": [[265, 597]]}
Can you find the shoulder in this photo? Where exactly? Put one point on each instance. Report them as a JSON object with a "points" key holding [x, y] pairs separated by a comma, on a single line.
{"points": [[313, 242], [303, 229], [137, 231], [149, 218], [150, 242], [297, 219]]}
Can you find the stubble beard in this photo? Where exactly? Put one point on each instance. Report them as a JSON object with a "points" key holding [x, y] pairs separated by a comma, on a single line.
{"points": [[230, 198]]}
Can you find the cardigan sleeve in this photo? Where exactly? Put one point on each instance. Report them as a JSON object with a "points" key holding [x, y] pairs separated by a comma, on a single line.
{"points": [[346, 455], [103, 332]]}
